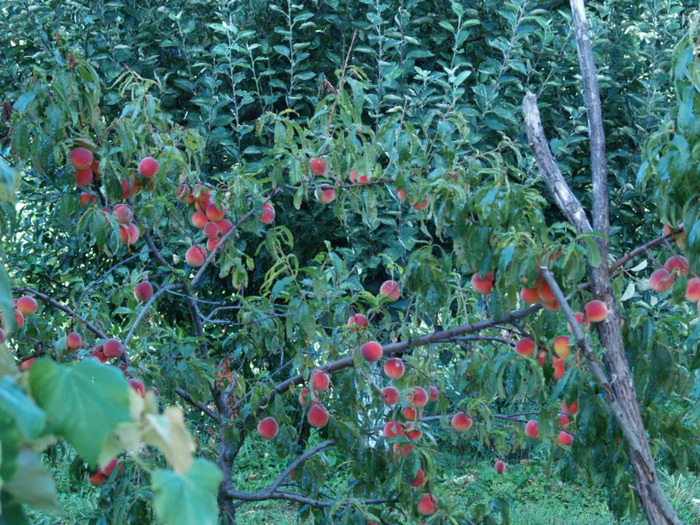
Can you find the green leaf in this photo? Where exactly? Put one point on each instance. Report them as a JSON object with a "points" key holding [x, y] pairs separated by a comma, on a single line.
{"points": [[593, 252], [32, 483], [8, 176], [23, 101], [183, 499], [29, 418], [12, 513], [84, 402]]}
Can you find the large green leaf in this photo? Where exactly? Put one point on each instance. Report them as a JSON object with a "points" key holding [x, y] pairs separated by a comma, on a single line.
{"points": [[183, 499], [31, 483], [29, 418], [11, 512], [84, 402]]}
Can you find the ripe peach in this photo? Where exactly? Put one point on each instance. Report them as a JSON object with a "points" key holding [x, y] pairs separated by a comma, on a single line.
{"points": [[74, 341], [138, 386], [268, 213], [561, 346], [320, 380], [532, 429], [677, 265], [661, 280], [525, 346], [529, 295], [401, 449], [184, 193], [483, 285], [393, 429], [129, 188], [427, 506], [569, 410], [86, 199], [545, 293], [461, 422], [421, 205], [213, 243], [214, 213], [390, 289], [268, 428], [418, 397], [552, 307], [81, 158], [581, 320], [98, 353], [109, 468], [692, 290], [541, 357], [129, 233], [358, 321], [27, 305], [499, 467], [418, 478], [564, 420], [433, 393], [123, 213], [148, 167], [401, 194], [143, 291], [303, 396], [225, 226], [83, 177], [317, 416], [559, 368], [325, 195], [96, 479], [211, 230], [596, 311], [353, 175], [19, 318], [199, 219], [95, 166], [394, 368], [26, 364], [318, 165], [372, 351], [414, 435], [390, 395], [202, 196], [195, 256], [410, 413], [112, 348], [565, 438]]}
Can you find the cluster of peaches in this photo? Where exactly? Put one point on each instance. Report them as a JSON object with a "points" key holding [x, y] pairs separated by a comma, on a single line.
{"points": [[662, 280], [25, 305]]}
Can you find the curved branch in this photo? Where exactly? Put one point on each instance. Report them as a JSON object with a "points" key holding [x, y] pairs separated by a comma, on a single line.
{"points": [[146, 307], [200, 406]]}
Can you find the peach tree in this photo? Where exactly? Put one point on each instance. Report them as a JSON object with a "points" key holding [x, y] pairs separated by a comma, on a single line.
{"points": [[349, 271]]}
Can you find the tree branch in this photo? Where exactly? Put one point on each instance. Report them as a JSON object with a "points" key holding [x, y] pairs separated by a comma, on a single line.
{"points": [[200, 406]]}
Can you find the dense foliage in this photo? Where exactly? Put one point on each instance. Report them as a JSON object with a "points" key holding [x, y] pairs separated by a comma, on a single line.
{"points": [[423, 99]]}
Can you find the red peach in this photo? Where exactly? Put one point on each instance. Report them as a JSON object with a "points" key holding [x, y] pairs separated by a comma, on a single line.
{"points": [[129, 188], [83, 177], [596, 311], [317, 416], [358, 321], [138, 386], [195, 256], [393, 429], [303, 396], [581, 321], [318, 165], [98, 353], [433, 393], [418, 397], [86, 199], [564, 420], [401, 194], [661, 280], [529, 295], [112, 348], [692, 290], [268, 428], [95, 166], [353, 176], [225, 226], [109, 468], [184, 193], [213, 243], [129, 233], [268, 213], [74, 341], [541, 357], [372, 351], [96, 479], [421, 205], [461, 422], [677, 265], [123, 213], [199, 219], [525, 346], [390, 395], [499, 467], [483, 285], [561, 346], [559, 368], [565, 438], [410, 413], [390, 289], [552, 307], [81, 158], [569, 410], [394, 368], [401, 449], [320, 380], [26, 364], [418, 478], [148, 167], [211, 230], [143, 291], [19, 318], [27, 305], [545, 293], [214, 213], [325, 195], [532, 429], [427, 506], [414, 435]]}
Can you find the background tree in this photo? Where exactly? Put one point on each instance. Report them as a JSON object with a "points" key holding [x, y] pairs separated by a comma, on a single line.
{"points": [[346, 146]]}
